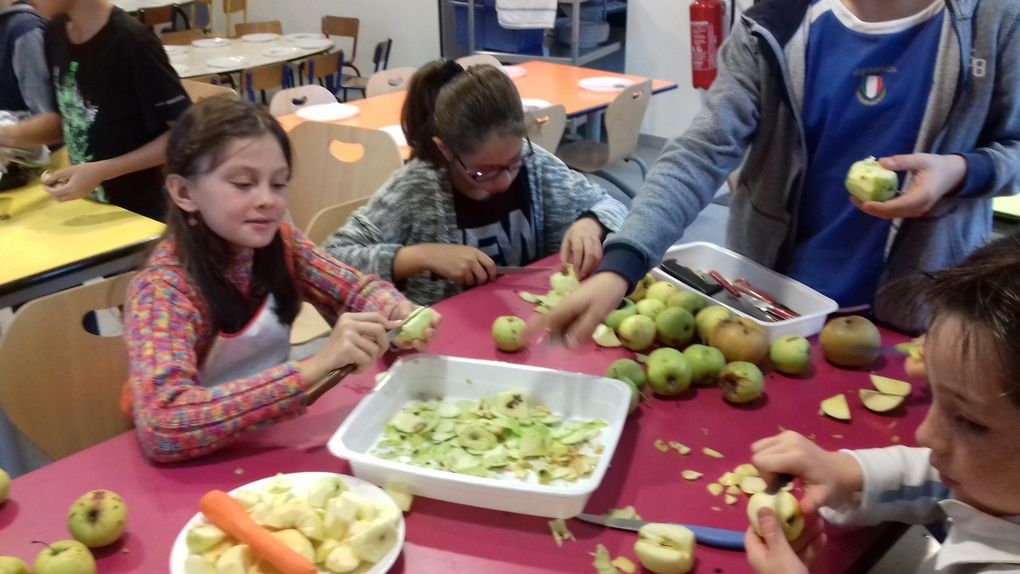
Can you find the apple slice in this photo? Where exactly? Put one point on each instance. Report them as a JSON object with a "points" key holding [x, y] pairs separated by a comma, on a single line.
{"points": [[880, 402], [891, 386], [836, 407], [665, 548], [606, 337]]}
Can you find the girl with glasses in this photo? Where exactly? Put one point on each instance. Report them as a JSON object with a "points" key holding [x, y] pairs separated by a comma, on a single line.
{"points": [[475, 195]]}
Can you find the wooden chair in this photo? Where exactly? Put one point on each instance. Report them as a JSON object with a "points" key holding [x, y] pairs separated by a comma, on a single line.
{"points": [[323, 70], [290, 100], [267, 27], [546, 126], [478, 60], [231, 7], [263, 78], [182, 37], [61, 385], [344, 28], [356, 163], [199, 90], [386, 81], [623, 125], [380, 61]]}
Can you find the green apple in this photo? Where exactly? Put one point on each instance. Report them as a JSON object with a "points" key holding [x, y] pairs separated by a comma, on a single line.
{"points": [[614, 318], [675, 326], [665, 548], [632, 373], [740, 339], [661, 290], [786, 508], [639, 291], [413, 329], [850, 341], [668, 371], [708, 318], [637, 332], [12, 565], [688, 300], [97, 518], [791, 354], [508, 332], [564, 283], [65, 557], [706, 364], [867, 180], [5, 485], [741, 382], [650, 307]]}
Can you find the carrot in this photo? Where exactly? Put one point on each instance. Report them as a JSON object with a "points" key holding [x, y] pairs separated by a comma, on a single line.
{"points": [[229, 516]]}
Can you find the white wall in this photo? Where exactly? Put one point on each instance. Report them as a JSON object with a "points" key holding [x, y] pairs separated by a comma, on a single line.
{"points": [[413, 24]]}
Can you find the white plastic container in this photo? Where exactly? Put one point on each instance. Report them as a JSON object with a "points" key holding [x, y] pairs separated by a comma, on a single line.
{"points": [[425, 377], [812, 306]]}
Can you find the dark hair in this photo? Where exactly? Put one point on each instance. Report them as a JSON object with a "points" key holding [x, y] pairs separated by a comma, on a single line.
{"points": [[984, 293], [198, 143], [461, 107]]}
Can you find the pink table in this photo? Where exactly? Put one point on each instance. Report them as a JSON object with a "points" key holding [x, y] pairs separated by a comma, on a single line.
{"points": [[444, 537]]}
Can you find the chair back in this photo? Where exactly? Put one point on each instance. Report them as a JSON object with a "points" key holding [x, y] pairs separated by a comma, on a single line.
{"points": [[262, 78], [343, 27], [478, 60], [61, 385], [623, 120], [181, 38], [155, 16], [324, 69], [329, 219], [356, 162], [546, 126], [381, 55], [386, 81], [198, 90], [290, 100], [267, 27], [231, 7]]}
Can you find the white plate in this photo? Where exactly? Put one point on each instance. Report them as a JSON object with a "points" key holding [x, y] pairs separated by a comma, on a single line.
{"points": [[175, 50], [327, 112], [280, 51], [302, 481], [303, 36], [210, 43], [181, 69], [605, 84], [532, 104], [514, 71], [397, 133], [313, 43], [260, 37], [227, 62]]}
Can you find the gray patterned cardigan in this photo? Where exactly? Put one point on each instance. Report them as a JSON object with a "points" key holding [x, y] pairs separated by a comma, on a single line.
{"points": [[416, 206]]}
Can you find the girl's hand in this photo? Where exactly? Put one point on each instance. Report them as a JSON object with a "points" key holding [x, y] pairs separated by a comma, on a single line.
{"points": [[580, 312], [829, 478], [73, 182], [465, 266], [357, 339], [582, 246], [773, 554], [933, 177], [400, 312]]}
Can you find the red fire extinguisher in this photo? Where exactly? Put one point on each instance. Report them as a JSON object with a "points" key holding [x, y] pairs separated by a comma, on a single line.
{"points": [[706, 35]]}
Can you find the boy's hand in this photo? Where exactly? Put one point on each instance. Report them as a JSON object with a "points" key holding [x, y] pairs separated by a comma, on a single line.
{"points": [[580, 312], [933, 177], [773, 554], [829, 478], [74, 182], [582, 246]]}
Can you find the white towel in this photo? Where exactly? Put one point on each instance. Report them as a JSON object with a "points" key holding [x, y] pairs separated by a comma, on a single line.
{"points": [[524, 14]]}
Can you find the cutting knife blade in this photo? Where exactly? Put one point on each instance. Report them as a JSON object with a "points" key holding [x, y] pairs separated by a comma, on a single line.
{"points": [[716, 537]]}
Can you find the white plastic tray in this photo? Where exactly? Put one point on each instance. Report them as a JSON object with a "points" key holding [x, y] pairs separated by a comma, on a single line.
{"points": [[425, 377], [812, 306]]}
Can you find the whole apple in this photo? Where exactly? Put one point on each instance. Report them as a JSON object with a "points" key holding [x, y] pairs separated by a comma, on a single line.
{"points": [[12, 565], [708, 318], [641, 288], [741, 382], [650, 307], [65, 557], [632, 373], [706, 364], [614, 318], [637, 332], [675, 326], [97, 518], [851, 341], [786, 508], [688, 300], [668, 371], [5, 485], [740, 339], [661, 290], [508, 331], [791, 354]]}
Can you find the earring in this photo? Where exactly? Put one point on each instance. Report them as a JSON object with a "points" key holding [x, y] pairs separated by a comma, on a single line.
{"points": [[192, 220]]}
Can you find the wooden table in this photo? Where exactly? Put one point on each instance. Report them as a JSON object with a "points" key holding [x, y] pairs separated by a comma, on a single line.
{"points": [[192, 61], [445, 537], [47, 246]]}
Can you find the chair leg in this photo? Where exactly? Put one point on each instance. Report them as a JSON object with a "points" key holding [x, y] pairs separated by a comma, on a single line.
{"points": [[641, 165], [626, 189]]}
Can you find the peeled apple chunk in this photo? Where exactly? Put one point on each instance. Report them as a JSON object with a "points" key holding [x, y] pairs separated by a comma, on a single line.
{"points": [[867, 180], [836, 407], [880, 402], [890, 386], [665, 548], [786, 508]]}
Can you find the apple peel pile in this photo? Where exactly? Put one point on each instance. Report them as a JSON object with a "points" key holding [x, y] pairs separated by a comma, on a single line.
{"points": [[500, 437], [561, 284]]}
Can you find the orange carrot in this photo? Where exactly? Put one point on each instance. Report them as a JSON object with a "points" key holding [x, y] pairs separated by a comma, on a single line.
{"points": [[229, 516]]}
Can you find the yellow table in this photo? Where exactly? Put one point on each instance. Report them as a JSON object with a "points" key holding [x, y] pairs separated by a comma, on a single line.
{"points": [[47, 246]]}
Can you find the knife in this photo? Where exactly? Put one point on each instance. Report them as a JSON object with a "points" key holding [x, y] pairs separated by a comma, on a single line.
{"points": [[516, 270], [735, 300], [716, 537]]}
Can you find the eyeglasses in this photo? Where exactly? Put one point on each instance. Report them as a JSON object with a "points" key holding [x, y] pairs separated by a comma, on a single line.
{"points": [[479, 176]]}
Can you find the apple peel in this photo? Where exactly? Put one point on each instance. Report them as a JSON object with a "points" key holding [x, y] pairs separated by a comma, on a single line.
{"points": [[691, 475], [560, 531], [711, 452]]}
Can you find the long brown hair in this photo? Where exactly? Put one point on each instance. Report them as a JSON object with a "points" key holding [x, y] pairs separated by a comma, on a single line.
{"points": [[462, 107], [198, 143]]}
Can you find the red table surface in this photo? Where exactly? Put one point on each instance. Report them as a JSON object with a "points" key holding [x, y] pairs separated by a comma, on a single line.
{"points": [[444, 537]]}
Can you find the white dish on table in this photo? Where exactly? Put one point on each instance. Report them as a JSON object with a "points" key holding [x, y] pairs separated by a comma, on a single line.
{"points": [[181, 69], [227, 62], [514, 71], [812, 306], [210, 43], [532, 104], [302, 481], [260, 37], [327, 112], [423, 377], [280, 51], [397, 133], [313, 43], [174, 50], [303, 36], [605, 84]]}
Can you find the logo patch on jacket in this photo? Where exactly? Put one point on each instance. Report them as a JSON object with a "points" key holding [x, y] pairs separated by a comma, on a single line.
{"points": [[871, 90]]}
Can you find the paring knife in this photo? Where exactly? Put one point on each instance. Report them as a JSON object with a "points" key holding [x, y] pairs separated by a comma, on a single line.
{"points": [[515, 270], [716, 537]]}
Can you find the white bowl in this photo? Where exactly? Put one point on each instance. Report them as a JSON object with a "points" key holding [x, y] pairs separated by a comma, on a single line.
{"points": [[605, 84], [227, 62], [312, 43], [260, 37], [514, 71], [532, 104], [327, 112], [421, 377], [303, 36], [280, 51], [210, 43]]}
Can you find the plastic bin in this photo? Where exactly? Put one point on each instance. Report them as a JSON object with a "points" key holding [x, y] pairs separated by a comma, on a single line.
{"points": [[489, 35]]}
